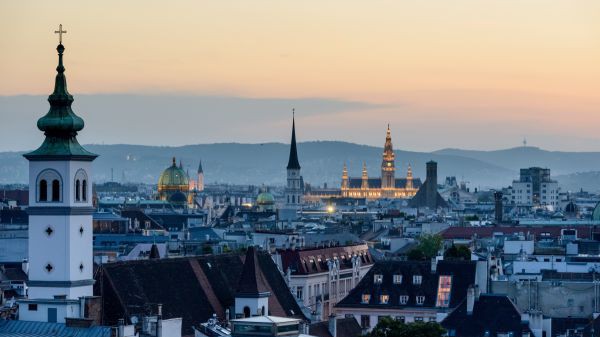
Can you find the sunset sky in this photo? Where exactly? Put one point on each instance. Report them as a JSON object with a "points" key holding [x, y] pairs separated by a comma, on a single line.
{"points": [[471, 74]]}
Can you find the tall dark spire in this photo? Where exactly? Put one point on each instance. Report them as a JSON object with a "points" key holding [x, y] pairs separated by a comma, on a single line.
{"points": [[293, 162], [200, 167], [60, 124]]}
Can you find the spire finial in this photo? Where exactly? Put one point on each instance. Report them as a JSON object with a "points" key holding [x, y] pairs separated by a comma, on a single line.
{"points": [[60, 32], [174, 162]]}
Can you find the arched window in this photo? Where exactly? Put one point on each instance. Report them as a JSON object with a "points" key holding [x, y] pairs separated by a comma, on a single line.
{"points": [[43, 196], [55, 190], [77, 190], [84, 190], [246, 312]]}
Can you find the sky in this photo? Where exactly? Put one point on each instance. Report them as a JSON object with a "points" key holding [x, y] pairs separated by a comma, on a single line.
{"points": [[475, 74]]}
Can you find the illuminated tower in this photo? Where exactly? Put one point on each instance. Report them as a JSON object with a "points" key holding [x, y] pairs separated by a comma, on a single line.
{"points": [[365, 177], [200, 182], [409, 178], [60, 213], [388, 168]]}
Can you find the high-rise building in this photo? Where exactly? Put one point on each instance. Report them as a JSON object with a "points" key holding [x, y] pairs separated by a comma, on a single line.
{"points": [[535, 188], [60, 214]]}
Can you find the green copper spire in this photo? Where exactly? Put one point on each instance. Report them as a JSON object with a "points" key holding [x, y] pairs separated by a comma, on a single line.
{"points": [[60, 124]]}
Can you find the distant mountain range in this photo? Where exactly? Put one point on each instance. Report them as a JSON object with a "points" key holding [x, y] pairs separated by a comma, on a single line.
{"points": [[322, 162]]}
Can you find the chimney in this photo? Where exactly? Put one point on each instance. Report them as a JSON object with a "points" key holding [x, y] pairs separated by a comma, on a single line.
{"points": [[470, 300], [121, 328], [25, 266], [332, 325], [498, 207]]}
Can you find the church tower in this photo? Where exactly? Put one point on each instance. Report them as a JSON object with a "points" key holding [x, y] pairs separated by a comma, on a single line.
{"points": [[60, 212], [365, 178], [200, 182], [409, 178], [295, 186], [345, 182], [388, 168]]}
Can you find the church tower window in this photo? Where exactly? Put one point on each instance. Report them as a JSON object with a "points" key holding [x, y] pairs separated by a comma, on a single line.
{"points": [[77, 190], [84, 190], [43, 190], [55, 190]]}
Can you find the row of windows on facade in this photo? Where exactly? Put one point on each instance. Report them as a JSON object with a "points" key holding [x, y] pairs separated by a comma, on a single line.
{"points": [[54, 192], [397, 279], [295, 199], [365, 320]]}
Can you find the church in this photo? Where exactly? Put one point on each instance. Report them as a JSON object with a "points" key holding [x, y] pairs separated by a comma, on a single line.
{"points": [[177, 187], [387, 185]]}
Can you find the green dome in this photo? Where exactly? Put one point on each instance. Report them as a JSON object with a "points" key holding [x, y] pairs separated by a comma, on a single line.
{"points": [[265, 198], [173, 176]]}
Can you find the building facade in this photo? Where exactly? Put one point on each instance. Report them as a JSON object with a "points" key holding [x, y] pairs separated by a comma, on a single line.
{"points": [[387, 185], [535, 188]]}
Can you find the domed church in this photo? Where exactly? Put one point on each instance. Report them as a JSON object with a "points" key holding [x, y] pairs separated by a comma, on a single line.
{"points": [[174, 185]]}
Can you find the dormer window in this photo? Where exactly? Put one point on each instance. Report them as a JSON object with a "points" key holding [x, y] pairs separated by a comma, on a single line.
{"points": [[420, 300], [366, 298], [403, 299], [384, 299], [398, 279], [378, 278], [417, 279]]}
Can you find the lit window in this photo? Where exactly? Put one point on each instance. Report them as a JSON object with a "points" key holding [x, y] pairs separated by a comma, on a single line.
{"points": [[366, 298], [443, 295], [384, 299], [378, 278], [397, 279], [403, 299], [420, 300], [417, 279]]}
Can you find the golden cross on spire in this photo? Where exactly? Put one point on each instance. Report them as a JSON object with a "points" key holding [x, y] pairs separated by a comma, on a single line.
{"points": [[60, 32]]}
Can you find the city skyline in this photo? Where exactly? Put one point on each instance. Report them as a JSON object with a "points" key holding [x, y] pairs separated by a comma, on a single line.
{"points": [[505, 74]]}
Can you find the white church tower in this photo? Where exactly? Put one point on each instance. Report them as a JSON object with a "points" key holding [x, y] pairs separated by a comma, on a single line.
{"points": [[60, 213], [294, 190]]}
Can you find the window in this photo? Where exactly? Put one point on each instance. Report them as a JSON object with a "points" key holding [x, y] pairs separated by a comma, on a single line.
{"points": [[43, 190], [32, 307], [378, 278], [366, 298], [299, 294], [84, 190], [384, 299], [77, 190], [432, 319], [365, 321], [403, 299], [401, 319], [397, 279], [418, 319], [444, 289], [420, 300], [417, 279], [55, 190]]}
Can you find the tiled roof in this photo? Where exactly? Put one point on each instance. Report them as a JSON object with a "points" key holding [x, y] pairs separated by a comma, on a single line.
{"points": [[493, 313], [314, 260], [462, 272], [44, 329], [192, 288], [252, 280]]}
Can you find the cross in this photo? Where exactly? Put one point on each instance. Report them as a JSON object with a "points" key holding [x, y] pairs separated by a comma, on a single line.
{"points": [[60, 32]]}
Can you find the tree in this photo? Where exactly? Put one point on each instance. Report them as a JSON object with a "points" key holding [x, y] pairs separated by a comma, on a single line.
{"points": [[388, 327], [458, 253], [430, 244], [416, 254]]}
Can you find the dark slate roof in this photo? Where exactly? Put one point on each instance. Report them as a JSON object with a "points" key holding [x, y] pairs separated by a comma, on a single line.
{"points": [[583, 232], [293, 162], [420, 199], [13, 216], [154, 253], [346, 327], [44, 329], [376, 182], [192, 288], [462, 272], [306, 261], [136, 213], [561, 325], [493, 313], [252, 280], [13, 274]]}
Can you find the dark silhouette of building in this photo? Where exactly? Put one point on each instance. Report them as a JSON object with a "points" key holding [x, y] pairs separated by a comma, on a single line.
{"points": [[428, 196]]}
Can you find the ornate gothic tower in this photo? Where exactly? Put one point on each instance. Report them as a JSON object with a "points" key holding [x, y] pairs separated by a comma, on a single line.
{"points": [[60, 212], [345, 181], [409, 178], [295, 186], [388, 168], [365, 177], [200, 182]]}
